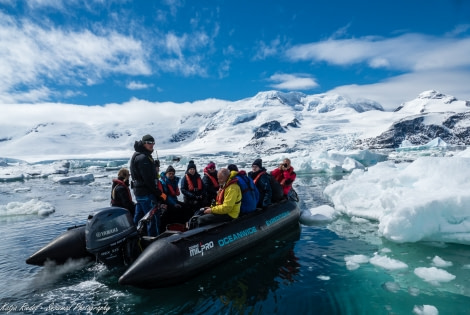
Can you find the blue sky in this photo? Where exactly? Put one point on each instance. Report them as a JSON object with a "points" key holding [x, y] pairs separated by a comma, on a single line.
{"points": [[95, 52]]}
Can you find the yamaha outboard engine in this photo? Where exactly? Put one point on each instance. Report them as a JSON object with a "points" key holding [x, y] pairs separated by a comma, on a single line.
{"points": [[112, 236]]}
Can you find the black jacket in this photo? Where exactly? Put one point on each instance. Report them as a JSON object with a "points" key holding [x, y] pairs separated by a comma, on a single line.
{"points": [[143, 172], [195, 196], [121, 195], [211, 190], [263, 184]]}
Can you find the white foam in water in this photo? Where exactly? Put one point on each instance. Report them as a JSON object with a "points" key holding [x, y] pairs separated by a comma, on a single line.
{"points": [[33, 206], [433, 275], [52, 272], [387, 263], [425, 310]]}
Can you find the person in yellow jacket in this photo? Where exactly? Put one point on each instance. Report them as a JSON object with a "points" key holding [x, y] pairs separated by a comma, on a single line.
{"points": [[228, 200]]}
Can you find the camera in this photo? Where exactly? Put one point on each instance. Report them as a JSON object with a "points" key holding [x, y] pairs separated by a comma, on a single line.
{"points": [[285, 165]]}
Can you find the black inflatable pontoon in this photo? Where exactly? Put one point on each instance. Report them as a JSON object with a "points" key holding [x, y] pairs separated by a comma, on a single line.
{"points": [[172, 257]]}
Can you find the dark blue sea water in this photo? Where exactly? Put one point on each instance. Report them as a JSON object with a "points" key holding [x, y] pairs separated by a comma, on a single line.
{"points": [[301, 271]]}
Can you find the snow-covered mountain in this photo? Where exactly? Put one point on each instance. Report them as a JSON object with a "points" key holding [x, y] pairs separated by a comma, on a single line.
{"points": [[268, 123], [432, 115]]}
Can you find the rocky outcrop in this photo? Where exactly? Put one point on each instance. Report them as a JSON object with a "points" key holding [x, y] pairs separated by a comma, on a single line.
{"points": [[454, 130]]}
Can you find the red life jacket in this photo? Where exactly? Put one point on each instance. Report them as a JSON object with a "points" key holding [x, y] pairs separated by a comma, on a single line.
{"points": [[220, 194], [119, 183], [213, 180], [191, 185], [159, 184], [172, 190]]}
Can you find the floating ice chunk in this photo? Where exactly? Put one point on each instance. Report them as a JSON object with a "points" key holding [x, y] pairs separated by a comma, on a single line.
{"points": [[425, 310], [325, 278], [433, 274], [413, 291], [387, 263], [439, 262], [391, 286], [354, 261], [350, 164], [319, 214], [11, 177], [77, 178], [33, 206]]}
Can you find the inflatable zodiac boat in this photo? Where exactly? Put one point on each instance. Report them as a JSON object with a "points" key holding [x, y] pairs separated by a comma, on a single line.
{"points": [[174, 256]]}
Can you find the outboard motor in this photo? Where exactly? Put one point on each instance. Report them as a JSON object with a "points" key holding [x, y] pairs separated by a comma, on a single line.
{"points": [[112, 236]]}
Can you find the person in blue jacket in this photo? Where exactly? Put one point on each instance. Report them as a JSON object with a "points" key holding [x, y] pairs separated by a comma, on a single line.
{"points": [[250, 194], [176, 211]]}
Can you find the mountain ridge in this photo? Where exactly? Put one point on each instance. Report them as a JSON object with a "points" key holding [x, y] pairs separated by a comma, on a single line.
{"points": [[269, 122]]}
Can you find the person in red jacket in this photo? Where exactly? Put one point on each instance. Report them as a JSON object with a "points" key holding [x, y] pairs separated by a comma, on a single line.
{"points": [[285, 175]]}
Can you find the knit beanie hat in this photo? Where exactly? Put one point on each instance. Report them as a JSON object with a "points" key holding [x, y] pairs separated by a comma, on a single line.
{"points": [[148, 138], [170, 169], [258, 162], [191, 165], [211, 165], [232, 167]]}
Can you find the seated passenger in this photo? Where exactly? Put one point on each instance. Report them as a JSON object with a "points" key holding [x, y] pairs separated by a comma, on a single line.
{"points": [[192, 188], [285, 175], [176, 211], [211, 184], [262, 181], [250, 194], [120, 192], [228, 201]]}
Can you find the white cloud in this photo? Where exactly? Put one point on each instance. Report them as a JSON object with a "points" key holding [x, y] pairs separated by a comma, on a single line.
{"points": [[392, 92], [133, 85], [292, 82], [408, 52], [36, 55], [428, 62], [266, 50]]}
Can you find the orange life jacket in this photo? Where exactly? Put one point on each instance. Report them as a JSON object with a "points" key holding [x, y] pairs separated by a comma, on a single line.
{"points": [[258, 176], [220, 194], [213, 180], [190, 183], [172, 190]]}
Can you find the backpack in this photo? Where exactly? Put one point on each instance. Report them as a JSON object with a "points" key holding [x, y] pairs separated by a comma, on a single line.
{"points": [[276, 188], [250, 194]]}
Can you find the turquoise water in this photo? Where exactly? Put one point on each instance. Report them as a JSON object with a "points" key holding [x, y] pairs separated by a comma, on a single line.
{"points": [[301, 271]]}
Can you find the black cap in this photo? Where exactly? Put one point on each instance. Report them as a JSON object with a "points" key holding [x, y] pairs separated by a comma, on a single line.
{"points": [[232, 167], [258, 162], [148, 138], [191, 165]]}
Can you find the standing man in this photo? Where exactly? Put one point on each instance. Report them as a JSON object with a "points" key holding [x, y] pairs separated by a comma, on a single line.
{"points": [[146, 192]]}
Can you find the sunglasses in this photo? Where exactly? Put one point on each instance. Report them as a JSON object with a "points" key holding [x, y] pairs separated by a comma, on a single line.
{"points": [[149, 142]]}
